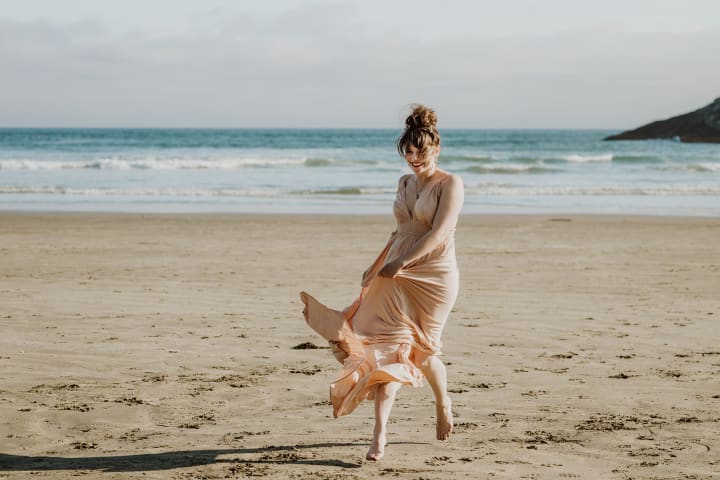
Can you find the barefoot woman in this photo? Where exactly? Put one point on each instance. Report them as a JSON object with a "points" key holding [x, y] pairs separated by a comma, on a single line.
{"points": [[390, 336]]}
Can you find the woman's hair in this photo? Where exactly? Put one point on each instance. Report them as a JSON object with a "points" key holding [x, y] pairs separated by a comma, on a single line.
{"points": [[420, 130]]}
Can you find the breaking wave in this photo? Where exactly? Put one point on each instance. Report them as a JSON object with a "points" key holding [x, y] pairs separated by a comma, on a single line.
{"points": [[174, 163], [509, 169]]}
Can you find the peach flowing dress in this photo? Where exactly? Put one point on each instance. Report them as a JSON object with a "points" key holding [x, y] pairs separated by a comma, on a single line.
{"points": [[376, 337]]}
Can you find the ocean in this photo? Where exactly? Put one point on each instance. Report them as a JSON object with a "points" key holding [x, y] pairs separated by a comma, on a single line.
{"points": [[348, 171]]}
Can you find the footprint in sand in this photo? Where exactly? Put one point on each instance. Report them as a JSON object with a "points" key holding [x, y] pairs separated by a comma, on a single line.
{"points": [[154, 377], [130, 401], [308, 370], [75, 407], [84, 445], [438, 461]]}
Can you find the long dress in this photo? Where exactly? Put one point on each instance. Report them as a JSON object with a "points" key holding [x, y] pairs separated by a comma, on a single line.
{"points": [[377, 336]]}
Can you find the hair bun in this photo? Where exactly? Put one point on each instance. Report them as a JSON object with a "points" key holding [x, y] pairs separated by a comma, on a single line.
{"points": [[420, 130], [421, 117]]}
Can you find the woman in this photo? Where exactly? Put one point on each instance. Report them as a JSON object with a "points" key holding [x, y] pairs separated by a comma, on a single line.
{"points": [[390, 335]]}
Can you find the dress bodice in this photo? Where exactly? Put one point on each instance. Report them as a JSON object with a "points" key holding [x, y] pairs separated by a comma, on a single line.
{"points": [[423, 211]]}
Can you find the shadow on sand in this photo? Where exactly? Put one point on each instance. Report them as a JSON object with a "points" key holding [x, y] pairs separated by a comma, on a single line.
{"points": [[170, 460]]}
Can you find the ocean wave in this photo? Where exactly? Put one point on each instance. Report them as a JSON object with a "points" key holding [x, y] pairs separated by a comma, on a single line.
{"points": [[486, 189], [186, 192], [175, 163], [140, 192], [146, 164], [491, 159], [512, 190], [532, 159], [327, 162], [695, 167], [576, 158], [332, 191], [509, 169], [344, 191], [318, 162], [638, 159], [466, 158]]}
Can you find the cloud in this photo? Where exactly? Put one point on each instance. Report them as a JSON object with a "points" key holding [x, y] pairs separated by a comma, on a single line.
{"points": [[322, 66]]}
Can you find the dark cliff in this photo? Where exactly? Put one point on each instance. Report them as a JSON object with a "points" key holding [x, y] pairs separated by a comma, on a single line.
{"points": [[702, 125]]}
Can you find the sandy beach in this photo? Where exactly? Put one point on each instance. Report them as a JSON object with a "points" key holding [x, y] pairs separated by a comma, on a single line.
{"points": [[173, 347]]}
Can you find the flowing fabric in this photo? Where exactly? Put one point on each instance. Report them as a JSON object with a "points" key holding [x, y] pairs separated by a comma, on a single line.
{"points": [[376, 337]]}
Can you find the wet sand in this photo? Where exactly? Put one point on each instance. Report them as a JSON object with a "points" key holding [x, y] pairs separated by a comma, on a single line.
{"points": [[172, 346]]}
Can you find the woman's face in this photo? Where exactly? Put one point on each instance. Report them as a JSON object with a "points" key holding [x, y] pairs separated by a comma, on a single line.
{"points": [[421, 161]]}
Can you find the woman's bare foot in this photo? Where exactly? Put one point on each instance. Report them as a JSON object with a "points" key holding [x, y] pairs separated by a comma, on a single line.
{"points": [[444, 425], [377, 448]]}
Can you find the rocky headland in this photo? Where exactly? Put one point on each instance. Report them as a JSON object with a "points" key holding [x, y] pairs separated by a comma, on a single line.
{"points": [[702, 125]]}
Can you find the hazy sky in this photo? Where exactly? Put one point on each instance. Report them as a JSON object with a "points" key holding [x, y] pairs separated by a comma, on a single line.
{"points": [[284, 63]]}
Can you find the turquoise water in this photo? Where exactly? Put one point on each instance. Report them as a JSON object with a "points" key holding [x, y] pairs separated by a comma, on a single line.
{"points": [[348, 171]]}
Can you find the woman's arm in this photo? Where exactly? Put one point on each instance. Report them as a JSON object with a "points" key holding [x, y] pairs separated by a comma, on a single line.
{"points": [[446, 217]]}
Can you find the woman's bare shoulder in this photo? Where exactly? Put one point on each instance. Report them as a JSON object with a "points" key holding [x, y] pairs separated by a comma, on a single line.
{"points": [[404, 178], [451, 181]]}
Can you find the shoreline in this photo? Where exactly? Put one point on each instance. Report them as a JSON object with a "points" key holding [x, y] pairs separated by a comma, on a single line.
{"points": [[389, 215], [304, 206]]}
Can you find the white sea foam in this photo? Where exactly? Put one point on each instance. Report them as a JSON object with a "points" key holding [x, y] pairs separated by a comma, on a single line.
{"points": [[709, 167], [512, 190], [160, 163], [346, 191], [141, 192], [703, 167], [605, 157], [694, 167], [150, 164], [510, 168], [444, 158]]}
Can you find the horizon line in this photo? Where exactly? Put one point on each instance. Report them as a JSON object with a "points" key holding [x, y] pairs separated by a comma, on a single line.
{"points": [[75, 127]]}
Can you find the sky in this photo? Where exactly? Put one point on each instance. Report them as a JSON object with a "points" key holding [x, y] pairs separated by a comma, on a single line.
{"points": [[355, 64]]}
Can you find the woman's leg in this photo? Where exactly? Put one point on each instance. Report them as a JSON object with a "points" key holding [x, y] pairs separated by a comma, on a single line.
{"points": [[434, 370], [384, 398]]}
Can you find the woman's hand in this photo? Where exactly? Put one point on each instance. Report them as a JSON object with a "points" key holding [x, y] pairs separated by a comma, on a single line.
{"points": [[390, 269]]}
